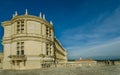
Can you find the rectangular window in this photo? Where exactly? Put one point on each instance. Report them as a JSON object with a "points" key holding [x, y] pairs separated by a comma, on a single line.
{"points": [[50, 49], [18, 22], [48, 32], [47, 53], [22, 43], [22, 29], [22, 52], [20, 26], [20, 48], [22, 21], [18, 43], [17, 47], [13, 62], [18, 30], [47, 49], [18, 52]]}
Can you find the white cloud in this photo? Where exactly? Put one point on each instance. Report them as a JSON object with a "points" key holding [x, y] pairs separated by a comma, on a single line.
{"points": [[110, 48], [102, 38]]}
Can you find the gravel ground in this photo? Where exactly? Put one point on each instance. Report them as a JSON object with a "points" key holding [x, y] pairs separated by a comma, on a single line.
{"points": [[93, 70]]}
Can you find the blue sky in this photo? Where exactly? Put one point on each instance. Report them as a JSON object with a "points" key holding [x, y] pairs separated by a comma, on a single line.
{"points": [[86, 28]]}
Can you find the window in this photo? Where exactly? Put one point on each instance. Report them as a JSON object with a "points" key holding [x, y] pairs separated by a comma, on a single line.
{"points": [[18, 43], [22, 43], [48, 32], [13, 62], [18, 52], [48, 49], [20, 48], [20, 26], [18, 22], [17, 47], [22, 52], [22, 21]]}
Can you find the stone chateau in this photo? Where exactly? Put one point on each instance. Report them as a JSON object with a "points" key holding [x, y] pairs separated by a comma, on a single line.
{"points": [[29, 43]]}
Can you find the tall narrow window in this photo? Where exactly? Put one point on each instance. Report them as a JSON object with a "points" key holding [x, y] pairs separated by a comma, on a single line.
{"points": [[18, 52], [20, 26], [50, 33], [47, 49], [47, 31], [22, 52], [50, 49], [20, 48]]}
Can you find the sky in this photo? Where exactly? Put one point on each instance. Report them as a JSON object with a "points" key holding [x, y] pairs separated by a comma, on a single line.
{"points": [[85, 28]]}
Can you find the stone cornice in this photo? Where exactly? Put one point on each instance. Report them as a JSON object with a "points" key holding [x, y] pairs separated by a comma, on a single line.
{"points": [[25, 37], [31, 18], [27, 18], [6, 23]]}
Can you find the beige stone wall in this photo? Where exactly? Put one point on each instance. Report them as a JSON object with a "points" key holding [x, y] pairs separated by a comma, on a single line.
{"points": [[33, 27], [6, 64], [33, 64], [13, 50], [44, 47], [7, 31], [32, 48]]}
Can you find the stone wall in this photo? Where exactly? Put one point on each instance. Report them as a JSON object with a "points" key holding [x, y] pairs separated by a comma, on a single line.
{"points": [[71, 64], [77, 64]]}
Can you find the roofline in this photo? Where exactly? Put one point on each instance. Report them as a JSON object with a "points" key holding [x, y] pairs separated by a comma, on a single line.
{"points": [[59, 43], [4, 23]]}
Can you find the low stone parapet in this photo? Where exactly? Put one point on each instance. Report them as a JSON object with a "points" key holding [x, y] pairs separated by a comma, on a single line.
{"points": [[76, 64]]}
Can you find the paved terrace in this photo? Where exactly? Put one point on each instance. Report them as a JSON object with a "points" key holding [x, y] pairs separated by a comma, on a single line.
{"points": [[86, 70]]}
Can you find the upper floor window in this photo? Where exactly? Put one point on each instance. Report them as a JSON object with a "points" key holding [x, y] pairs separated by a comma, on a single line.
{"points": [[48, 32], [20, 26]]}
